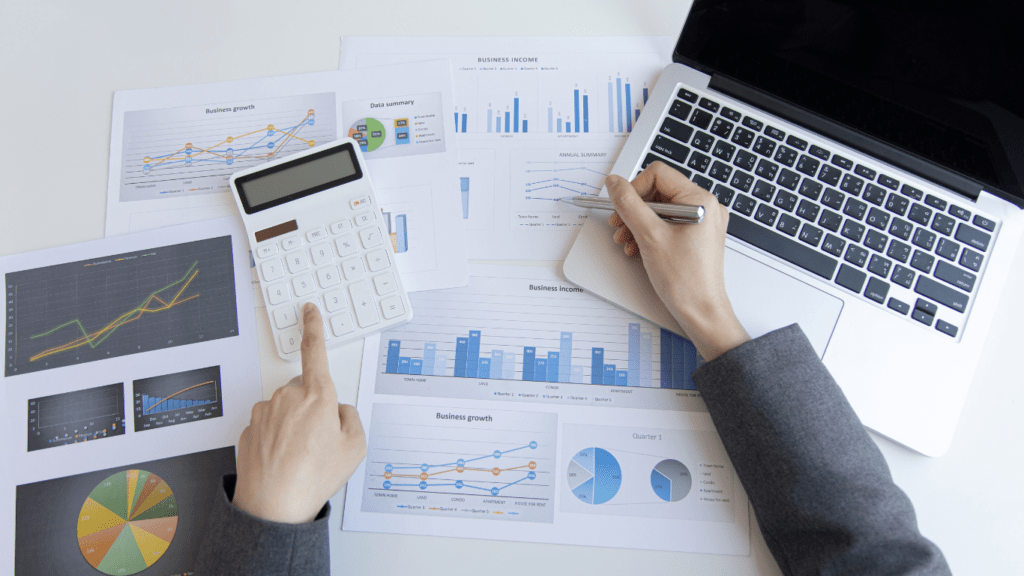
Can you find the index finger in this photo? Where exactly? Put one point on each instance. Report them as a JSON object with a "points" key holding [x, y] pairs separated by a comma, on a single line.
{"points": [[316, 371]]}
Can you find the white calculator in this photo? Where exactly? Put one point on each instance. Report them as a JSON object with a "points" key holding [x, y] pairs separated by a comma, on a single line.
{"points": [[314, 225]]}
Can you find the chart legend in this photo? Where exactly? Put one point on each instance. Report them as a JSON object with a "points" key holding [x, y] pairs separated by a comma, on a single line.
{"points": [[179, 398], [73, 417]]}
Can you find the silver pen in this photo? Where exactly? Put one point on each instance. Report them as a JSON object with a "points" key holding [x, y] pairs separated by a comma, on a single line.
{"points": [[677, 213]]}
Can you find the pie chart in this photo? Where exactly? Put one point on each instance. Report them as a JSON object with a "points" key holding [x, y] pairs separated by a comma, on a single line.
{"points": [[127, 522], [671, 480], [369, 132], [594, 476]]}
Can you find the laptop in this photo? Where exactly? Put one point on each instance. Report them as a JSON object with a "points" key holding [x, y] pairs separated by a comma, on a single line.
{"points": [[872, 158]]}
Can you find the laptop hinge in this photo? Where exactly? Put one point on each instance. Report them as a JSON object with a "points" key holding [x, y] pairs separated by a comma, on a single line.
{"points": [[852, 138]]}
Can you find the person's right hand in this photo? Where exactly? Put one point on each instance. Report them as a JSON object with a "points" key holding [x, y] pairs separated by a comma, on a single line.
{"points": [[683, 261]]}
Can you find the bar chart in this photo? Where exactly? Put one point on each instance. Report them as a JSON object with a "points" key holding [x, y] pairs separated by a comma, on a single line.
{"points": [[179, 398], [74, 417], [398, 231]]}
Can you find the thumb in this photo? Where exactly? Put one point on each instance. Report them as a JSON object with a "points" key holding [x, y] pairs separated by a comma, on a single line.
{"points": [[638, 217]]}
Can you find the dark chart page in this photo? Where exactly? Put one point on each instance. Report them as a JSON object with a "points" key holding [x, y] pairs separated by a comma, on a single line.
{"points": [[121, 304], [74, 417], [179, 398]]}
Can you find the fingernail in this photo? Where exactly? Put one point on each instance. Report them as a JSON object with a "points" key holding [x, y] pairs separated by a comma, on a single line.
{"points": [[613, 182]]}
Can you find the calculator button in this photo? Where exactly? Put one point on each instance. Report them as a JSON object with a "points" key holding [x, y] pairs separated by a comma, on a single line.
{"points": [[317, 234], [385, 283], [303, 285], [342, 324], [328, 276], [335, 300], [278, 293], [359, 202], [378, 260], [364, 305], [297, 262], [322, 253], [371, 237], [393, 307], [273, 269], [346, 245], [291, 341], [292, 242], [353, 268], [365, 218], [339, 227], [285, 317], [268, 250]]}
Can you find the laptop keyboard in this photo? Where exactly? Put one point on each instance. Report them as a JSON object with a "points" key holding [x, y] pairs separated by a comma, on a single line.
{"points": [[909, 250]]}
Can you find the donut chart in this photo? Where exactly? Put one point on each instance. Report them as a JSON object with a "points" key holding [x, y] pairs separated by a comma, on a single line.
{"points": [[594, 476], [127, 522], [369, 132], [671, 480]]}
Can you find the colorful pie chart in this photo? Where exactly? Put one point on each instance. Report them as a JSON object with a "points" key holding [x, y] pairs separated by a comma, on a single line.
{"points": [[127, 523]]}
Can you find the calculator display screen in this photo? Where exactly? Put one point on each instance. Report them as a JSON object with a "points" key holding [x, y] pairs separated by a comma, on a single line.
{"points": [[294, 180]]}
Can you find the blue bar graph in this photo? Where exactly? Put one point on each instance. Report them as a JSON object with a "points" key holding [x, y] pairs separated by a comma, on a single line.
{"points": [[586, 114], [508, 366], [463, 122], [611, 106], [645, 95], [403, 364], [154, 404], [441, 365], [394, 350], [429, 353], [464, 187], [568, 127], [576, 106], [461, 354], [621, 378], [473, 354], [524, 125], [559, 125], [484, 368], [497, 123], [633, 355], [401, 234], [416, 367], [618, 93], [529, 362], [490, 117], [553, 367], [551, 116], [565, 357], [456, 121], [609, 374], [629, 110], [508, 119], [515, 126], [497, 358], [597, 365]]}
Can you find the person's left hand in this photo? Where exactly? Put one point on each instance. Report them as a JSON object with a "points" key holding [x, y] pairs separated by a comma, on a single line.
{"points": [[301, 447]]}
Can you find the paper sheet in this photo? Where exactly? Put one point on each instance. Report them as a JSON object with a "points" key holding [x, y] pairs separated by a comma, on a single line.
{"points": [[537, 119], [130, 370], [172, 151], [522, 408]]}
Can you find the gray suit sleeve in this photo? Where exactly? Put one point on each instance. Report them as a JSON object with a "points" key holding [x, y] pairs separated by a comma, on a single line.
{"points": [[238, 543], [820, 488]]}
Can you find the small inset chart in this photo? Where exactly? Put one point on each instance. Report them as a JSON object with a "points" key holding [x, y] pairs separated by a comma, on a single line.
{"points": [[127, 523], [180, 398], [671, 480], [398, 127], [371, 133], [75, 417], [398, 231], [594, 476], [541, 177]]}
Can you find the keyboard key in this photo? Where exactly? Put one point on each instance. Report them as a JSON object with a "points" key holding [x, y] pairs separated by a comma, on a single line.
{"points": [[901, 229], [877, 290], [879, 265], [336, 300], [297, 262], [285, 317], [701, 119], [687, 95], [328, 276], [676, 130], [363, 304], [291, 341], [680, 110], [378, 260], [703, 181], [878, 218], [744, 205], [722, 128], [985, 223], [897, 204], [946, 328], [339, 227], [786, 200], [317, 234], [971, 259], [820, 152], [807, 165], [699, 162], [743, 137], [945, 295], [788, 179], [385, 283], [811, 188], [973, 237], [830, 175], [703, 141], [742, 180], [267, 250], [392, 307], [272, 269], [786, 156], [901, 307], [798, 143], [652, 158], [888, 181], [961, 213], [720, 171], [856, 255], [935, 202], [291, 242], [922, 261], [876, 240], [370, 217], [764, 190], [731, 114], [767, 169], [788, 224], [303, 285], [765, 215], [371, 237], [670, 148], [922, 317], [924, 238], [342, 324], [764, 146], [754, 125], [278, 294], [842, 162], [746, 160], [830, 220], [898, 250], [956, 276], [833, 245], [851, 278], [853, 230], [353, 268], [810, 234], [903, 276], [775, 133], [808, 210], [874, 194], [864, 171], [776, 244], [724, 194], [912, 192], [920, 213], [926, 306], [855, 209], [708, 105], [853, 185], [943, 224], [723, 150], [346, 245], [833, 198]]}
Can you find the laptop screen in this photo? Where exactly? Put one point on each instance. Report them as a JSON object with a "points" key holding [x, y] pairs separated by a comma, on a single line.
{"points": [[941, 80]]}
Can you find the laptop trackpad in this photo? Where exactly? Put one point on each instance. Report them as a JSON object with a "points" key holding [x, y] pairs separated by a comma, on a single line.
{"points": [[765, 299]]}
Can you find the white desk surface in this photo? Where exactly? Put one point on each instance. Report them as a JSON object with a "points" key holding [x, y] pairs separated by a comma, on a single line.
{"points": [[61, 61]]}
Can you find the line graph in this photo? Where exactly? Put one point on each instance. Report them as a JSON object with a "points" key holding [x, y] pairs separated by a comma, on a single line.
{"points": [[119, 304], [177, 398], [459, 466], [562, 180], [541, 177]]}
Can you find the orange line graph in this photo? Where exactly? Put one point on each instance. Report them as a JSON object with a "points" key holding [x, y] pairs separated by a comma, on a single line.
{"points": [[179, 392]]}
